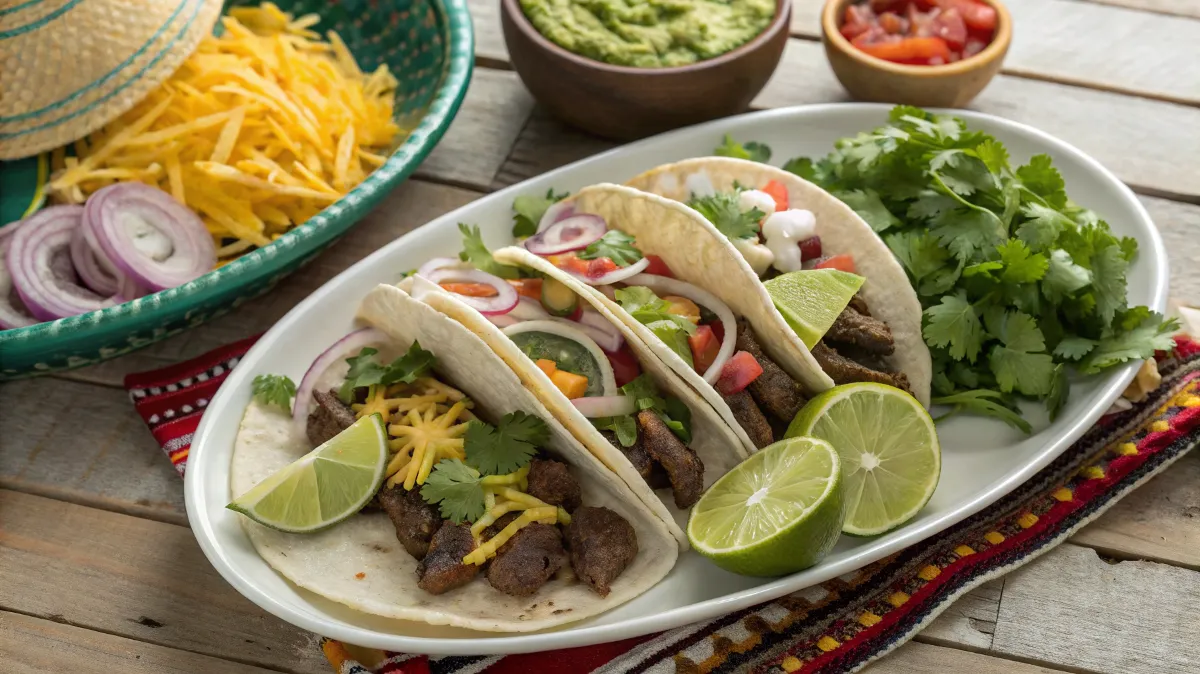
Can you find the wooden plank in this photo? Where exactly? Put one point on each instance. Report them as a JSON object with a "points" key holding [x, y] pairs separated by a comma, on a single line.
{"points": [[114, 464], [1079, 612], [138, 579], [1178, 223], [486, 127], [411, 205], [1177, 7], [32, 646], [1160, 521], [489, 38], [919, 658], [968, 622], [544, 144]]}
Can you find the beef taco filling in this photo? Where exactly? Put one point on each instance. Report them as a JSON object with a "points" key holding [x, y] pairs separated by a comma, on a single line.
{"points": [[472, 501]]}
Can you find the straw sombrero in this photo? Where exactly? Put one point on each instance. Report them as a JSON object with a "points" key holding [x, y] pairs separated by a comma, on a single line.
{"points": [[69, 66]]}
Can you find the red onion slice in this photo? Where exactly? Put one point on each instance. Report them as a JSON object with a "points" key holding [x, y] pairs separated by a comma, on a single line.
{"points": [[96, 275], [503, 302], [605, 406], [559, 210], [13, 313], [615, 276], [38, 259], [148, 236], [661, 285], [574, 233], [347, 346]]}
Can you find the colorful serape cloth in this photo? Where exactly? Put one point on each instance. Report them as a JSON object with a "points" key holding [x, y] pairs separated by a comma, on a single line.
{"points": [[835, 627]]}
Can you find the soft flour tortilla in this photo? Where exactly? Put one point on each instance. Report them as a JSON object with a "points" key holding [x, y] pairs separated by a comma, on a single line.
{"points": [[327, 562], [712, 440], [887, 290]]}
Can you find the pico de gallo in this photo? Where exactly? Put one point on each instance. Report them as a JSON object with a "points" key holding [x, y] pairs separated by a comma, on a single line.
{"points": [[920, 32]]}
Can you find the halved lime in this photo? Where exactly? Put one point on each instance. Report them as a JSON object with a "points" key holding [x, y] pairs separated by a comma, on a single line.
{"points": [[891, 459], [810, 300], [323, 487], [777, 512]]}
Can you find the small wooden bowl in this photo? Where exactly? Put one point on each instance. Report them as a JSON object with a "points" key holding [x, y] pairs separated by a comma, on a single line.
{"points": [[950, 86], [624, 103]]}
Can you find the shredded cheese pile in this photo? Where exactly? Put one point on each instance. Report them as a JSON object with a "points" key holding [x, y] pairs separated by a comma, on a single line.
{"points": [[259, 130], [426, 422]]}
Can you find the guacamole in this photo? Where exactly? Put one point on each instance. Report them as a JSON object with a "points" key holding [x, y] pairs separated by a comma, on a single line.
{"points": [[649, 33]]}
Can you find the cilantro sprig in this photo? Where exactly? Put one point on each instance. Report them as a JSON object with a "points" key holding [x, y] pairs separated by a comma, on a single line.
{"points": [[476, 252], [724, 211], [1019, 284], [528, 211], [651, 311], [274, 389], [614, 245], [456, 487], [366, 370], [751, 150], [674, 413]]}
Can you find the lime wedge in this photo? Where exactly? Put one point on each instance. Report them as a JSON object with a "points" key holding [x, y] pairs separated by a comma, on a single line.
{"points": [[777, 512], [323, 487], [891, 459], [810, 300]]}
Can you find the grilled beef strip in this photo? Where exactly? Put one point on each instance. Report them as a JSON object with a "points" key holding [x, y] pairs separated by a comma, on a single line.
{"points": [[863, 331], [750, 418], [651, 472], [553, 483], [685, 469], [415, 520], [844, 371], [329, 417], [774, 390], [527, 560], [442, 569], [601, 544]]}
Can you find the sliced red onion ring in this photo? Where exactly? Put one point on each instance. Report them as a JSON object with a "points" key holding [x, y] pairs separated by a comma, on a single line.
{"points": [[148, 236], [96, 275], [440, 263], [605, 406], [529, 309], [570, 330], [574, 233], [503, 302], [13, 313], [616, 276], [661, 285], [560, 210], [38, 259], [349, 345]]}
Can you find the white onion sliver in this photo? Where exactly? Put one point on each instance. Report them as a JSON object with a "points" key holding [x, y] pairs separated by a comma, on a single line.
{"points": [[591, 317], [605, 406], [560, 210], [529, 309], [504, 320], [661, 285], [349, 345], [607, 338], [616, 276], [506, 296]]}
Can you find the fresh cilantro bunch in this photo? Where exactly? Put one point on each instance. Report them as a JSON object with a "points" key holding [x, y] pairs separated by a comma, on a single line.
{"points": [[651, 311], [751, 150], [673, 412], [1020, 285], [274, 389], [456, 487], [529, 209], [366, 370], [724, 211], [615, 245]]}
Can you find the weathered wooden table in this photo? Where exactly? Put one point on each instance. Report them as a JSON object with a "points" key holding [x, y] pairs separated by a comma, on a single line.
{"points": [[99, 573]]}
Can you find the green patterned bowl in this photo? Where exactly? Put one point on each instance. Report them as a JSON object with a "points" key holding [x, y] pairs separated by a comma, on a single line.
{"points": [[429, 46]]}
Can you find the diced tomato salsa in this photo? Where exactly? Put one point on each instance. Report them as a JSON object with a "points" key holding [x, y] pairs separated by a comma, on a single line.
{"points": [[704, 345], [738, 372], [470, 289], [624, 364], [658, 267], [920, 32], [589, 268]]}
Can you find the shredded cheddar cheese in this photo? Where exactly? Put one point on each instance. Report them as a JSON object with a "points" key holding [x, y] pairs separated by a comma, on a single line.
{"points": [[426, 422], [260, 129], [545, 514]]}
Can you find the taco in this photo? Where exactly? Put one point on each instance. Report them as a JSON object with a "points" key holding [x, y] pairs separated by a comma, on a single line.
{"points": [[595, 376], [537, 532], [877, 337]]}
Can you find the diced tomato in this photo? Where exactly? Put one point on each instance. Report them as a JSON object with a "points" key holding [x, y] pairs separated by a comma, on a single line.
{"points": [[718, 329], [843, 262], [528, 287], [600, 266], [858, 19], [625, 366], [779, 193], [913, 50], [892, 23], [949, 26], [738, 372], [810, 248], [977, 15], [470, 289], [658, 267], [589, 268], [705, 345]]}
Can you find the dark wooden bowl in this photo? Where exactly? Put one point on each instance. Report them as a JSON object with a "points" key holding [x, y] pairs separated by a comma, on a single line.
{"points": [[624, 103]]}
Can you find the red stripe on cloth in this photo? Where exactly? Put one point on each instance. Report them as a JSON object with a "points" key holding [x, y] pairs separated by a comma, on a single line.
{"points": [[180, 371], [567, 660]]}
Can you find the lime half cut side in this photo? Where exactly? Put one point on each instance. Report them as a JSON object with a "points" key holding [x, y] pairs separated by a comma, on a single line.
{"points": [[323, 487], [777, 512], [891, 459]]}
